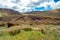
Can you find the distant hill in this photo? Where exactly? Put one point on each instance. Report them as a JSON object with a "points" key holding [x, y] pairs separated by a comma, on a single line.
{"points": [[53, 13], [30, 18], [7, 12]]}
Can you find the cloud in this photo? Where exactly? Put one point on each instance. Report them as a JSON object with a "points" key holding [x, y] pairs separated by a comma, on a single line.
{"points": [[30, 5], [15, 1], [56, 5]]}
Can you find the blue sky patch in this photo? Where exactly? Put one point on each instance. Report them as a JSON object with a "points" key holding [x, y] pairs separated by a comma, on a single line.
{"points": [[56, 0], [40, 8]]}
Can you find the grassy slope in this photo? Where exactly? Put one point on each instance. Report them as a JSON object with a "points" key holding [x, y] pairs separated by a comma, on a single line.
{"points": [[8, 12], [49, 34]]}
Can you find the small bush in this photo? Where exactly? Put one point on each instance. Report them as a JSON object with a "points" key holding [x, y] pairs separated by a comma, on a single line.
{"points": [[27, 29], [14, 30], [43, 31], [2, 25], [10, 24]]}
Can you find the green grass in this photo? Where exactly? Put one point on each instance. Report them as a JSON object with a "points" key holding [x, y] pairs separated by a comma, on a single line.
{"points": [[31, 35]]}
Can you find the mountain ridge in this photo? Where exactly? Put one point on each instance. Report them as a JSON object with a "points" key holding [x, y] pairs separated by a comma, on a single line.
{"points": [[7, 12], [53, 13], [35, 18]]}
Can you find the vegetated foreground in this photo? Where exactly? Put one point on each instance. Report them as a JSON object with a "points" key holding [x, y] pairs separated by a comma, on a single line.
{"points": [[44, 32], [29, 27]]}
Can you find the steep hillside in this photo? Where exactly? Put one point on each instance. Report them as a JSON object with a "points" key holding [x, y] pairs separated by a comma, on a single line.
{"points": [[7, 12], [29, 26], [52, 13], [31, 18]]}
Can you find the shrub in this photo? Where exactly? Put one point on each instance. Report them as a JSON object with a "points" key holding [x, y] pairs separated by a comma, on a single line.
{"points": [[27, 29], [13, 30]]}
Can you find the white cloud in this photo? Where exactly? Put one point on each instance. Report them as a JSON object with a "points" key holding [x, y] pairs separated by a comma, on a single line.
{"points": [[25, 3], [28, 5], [56, 5], [35, 0], [52, 4]]}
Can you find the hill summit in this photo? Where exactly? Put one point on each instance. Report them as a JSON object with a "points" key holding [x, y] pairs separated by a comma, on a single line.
{"points": [[7, 12]]}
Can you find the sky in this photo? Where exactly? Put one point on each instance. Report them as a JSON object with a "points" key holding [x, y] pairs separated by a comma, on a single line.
{"points": [[30, 5]]}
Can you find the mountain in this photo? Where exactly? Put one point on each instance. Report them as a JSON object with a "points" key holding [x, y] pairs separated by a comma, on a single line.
{"points": [[51, 13], [30, 18], [7, 12]]}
